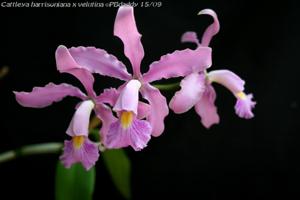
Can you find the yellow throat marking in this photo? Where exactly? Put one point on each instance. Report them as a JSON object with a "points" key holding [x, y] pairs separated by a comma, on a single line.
{"points": [[241, 95], [126, 119], [78, 141]]}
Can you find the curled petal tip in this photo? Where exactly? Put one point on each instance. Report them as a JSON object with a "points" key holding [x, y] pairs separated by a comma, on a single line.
{"points": [[212, 29], [61, 47], [206, 12]]}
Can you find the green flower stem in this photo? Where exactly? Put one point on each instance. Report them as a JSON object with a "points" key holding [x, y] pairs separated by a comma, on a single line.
{"points": [[170, 86], [34, 149]]}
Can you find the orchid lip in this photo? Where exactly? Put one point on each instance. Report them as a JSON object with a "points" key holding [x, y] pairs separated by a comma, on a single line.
{"points": [[126, 119], [78, 141]]}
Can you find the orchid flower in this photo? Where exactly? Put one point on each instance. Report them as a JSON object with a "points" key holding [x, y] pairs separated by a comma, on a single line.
{"points": [[79, 148], [135, 120], [196, 88], [130, 128]]}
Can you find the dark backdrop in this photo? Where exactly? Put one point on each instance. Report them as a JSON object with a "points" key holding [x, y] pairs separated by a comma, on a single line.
{"points": [[237, 159]]}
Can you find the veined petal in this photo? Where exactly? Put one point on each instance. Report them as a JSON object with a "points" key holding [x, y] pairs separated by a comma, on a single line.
{"points": [[66, 64], [136, 135], [41, 97], [129, 97], [87, 153], [228, 79], [80, 122], [158, 108], [212, 29], [190, 36], [192, 87], [99, 61], [206, 108], [179, 63], [125, 28], [244, 105]]}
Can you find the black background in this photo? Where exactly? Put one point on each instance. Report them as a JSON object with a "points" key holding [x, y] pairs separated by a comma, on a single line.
{"points": [[237, 159]]}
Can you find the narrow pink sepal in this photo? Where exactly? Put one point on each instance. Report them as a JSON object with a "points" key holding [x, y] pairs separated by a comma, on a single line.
{"points": [[158, 108], [212, 29], [41, 97], [125, 28], [105, 114]]}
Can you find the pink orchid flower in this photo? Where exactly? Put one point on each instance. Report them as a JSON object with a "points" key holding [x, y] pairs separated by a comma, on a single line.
{"points": [[130, 128], [135, 121], [203, 96], [79, 148]]}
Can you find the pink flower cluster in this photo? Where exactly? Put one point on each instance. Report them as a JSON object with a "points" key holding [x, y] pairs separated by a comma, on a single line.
{"points": [[126, 119]]}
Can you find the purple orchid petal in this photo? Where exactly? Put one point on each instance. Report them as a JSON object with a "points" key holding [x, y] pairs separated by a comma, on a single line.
{"points": [[109, 96], [206, 108], [79, 124], [129, 97], [192, 87], [143, 110], [66, 64], [125, 28], [212, 29], [107, 118], [159, 108], [244, 106], [190, 37], [41, 97], [228, 79], [99, 61], [137, 135], [87, 153], [179, 63]]}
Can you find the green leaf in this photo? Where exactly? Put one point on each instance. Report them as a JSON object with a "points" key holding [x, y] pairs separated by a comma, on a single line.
{"points": [[94, 135], [74, 183], [119, 168]]}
